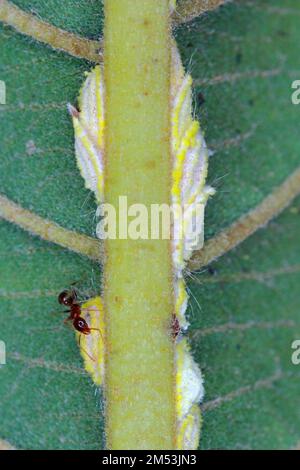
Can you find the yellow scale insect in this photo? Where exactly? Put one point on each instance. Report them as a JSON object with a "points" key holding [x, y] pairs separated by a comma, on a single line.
{"points": [[190, 162]]}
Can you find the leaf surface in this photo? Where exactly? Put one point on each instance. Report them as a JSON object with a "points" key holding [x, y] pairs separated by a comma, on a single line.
{"points": [[244, 310]]}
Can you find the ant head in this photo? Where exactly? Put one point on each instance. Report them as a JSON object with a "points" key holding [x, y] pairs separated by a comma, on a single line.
{"points": [[81, 325], [67, 297]]}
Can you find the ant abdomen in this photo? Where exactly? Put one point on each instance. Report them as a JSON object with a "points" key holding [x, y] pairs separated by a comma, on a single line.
{"points": [[67, 298]]}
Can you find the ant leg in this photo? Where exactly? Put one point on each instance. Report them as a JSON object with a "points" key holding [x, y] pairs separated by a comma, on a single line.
{"points": [[89, 310], [97, 329], [80, 280], [81, 348]]}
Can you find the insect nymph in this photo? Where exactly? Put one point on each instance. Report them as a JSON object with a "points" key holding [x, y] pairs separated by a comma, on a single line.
{"points": [[189, 192]]}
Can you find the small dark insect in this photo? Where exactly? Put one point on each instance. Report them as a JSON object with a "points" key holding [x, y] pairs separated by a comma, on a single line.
{"points": [[175, 326], [200, 99], [239, 57], [69, 299], [212, 271]]}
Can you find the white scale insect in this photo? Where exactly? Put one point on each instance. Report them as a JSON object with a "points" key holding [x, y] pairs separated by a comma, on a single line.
{"points": [[190, 161]]}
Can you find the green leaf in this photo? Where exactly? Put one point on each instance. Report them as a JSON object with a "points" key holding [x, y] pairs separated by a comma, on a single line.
{"points": [[243, 58], [244, 317]]}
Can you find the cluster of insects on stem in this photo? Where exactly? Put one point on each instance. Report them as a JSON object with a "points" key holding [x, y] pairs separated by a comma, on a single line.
{"points": [[69, 298]]}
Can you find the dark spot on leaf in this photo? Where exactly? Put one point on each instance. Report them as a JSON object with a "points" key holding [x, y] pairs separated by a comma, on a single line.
{"points": [[282, 33], [239, 57], [118, 299], [150, 165], [212, 271], [200, 99]]}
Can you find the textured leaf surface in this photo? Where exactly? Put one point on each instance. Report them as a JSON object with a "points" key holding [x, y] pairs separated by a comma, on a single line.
{"points": [[243, 59]]}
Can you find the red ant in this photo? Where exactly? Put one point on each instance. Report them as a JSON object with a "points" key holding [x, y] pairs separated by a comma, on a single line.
{"points": [[69, 299]]}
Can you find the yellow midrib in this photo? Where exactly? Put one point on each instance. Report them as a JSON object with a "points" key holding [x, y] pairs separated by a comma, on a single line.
{"points": [[138, 294]]}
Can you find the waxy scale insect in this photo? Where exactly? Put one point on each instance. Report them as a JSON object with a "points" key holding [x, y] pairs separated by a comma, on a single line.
{"points": [[190, 164]]}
